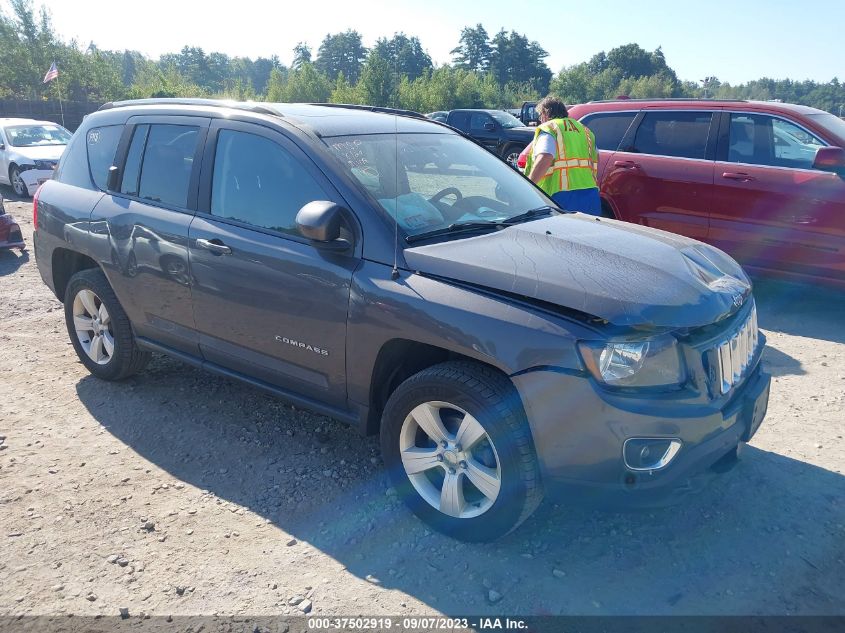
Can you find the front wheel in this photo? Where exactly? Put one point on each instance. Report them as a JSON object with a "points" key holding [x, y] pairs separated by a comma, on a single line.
{"points": [[459, 452], [18, 184], [99, 328], [511, 154]]}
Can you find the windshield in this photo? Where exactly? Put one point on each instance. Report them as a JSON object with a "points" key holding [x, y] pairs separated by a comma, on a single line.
{"points": [[832, 124], [37, 135], [506, 120], [431, 181]]}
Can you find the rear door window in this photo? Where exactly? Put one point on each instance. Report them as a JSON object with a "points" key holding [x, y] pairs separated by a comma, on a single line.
{"points": [[459, 120], [609, 128], [101, 143], [159, 164], [682, 134]]}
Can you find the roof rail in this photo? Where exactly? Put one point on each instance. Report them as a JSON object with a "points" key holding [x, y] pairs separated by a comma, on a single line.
{"points": [[671, 99], [250, 106], [352, 106]]}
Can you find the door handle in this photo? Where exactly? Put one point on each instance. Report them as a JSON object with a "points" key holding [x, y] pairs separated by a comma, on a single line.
{"points": [[737, 175], [215, 246], [626, 164]]}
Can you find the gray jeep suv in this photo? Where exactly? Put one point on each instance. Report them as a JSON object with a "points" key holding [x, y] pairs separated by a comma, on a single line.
{"points": [[382, 269]]}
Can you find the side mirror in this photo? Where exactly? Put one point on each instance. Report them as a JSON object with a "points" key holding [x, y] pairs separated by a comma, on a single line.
{"points": [[830, 159], [113, 180], [320, 221], [490, 126], [2, 147]]}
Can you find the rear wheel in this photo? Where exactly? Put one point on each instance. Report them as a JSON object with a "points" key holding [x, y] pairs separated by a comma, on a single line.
{"points": [[99, 328], [459, 452]]}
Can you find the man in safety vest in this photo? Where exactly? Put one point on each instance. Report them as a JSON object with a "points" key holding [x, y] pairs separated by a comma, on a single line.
{"points": [[564, 160]]}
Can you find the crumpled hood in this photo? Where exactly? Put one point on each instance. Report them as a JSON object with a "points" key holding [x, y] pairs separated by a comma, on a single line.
{"points": [[626, 274], [40, 152]]}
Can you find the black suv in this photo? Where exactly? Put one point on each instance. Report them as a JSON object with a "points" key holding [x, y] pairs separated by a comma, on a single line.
{"points": [[500, 346], [500, 132]]}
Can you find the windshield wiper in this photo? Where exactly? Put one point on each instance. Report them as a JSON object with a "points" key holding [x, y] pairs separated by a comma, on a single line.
{"points": [[461, 227], [530, 214], [457, 227]]}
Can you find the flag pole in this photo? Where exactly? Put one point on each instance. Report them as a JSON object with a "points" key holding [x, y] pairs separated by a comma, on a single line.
{"points": [[61, 108]]}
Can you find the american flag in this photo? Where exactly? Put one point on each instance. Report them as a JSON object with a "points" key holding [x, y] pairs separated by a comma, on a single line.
{"points": [[51, 74]]}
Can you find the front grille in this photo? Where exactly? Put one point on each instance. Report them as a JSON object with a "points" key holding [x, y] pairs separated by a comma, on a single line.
{"points": [[735, 353]]}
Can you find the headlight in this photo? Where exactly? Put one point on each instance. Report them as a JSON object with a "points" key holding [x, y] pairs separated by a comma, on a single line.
{"points": [[44, 164], [650, 363]]}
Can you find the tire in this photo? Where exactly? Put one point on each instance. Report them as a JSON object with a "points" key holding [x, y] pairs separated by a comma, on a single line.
{"points": [[510, 154], [462, 395], [606, 211], [116, 356], [18, 185]]}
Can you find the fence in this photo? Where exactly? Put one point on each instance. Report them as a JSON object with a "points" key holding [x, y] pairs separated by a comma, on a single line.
{"points": [[74, 111]]}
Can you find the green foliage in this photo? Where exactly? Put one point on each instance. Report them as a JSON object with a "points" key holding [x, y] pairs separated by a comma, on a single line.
{"points": [[405, 55], [378, 82], [497, 72], [341, 53], [514, 59], [304, 85], [473, 50]]}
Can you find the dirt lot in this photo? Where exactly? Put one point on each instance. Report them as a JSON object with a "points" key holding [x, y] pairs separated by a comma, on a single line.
{"points": [[178, 492]]}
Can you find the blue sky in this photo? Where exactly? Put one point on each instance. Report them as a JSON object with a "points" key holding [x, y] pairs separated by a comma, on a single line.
{"points": [[735, 41]]}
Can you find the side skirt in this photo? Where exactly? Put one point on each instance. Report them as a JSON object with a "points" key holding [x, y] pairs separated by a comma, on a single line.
{"points": [[356, 418]]}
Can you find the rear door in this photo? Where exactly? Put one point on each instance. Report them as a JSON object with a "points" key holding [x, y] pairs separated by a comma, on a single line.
{"points": [[662, 174], [266, 302], [771, 209], [609, 128], [140, 233]]}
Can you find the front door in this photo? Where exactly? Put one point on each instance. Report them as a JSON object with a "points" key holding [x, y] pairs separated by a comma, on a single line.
{"points": [[771, 209], [266, 302], [662, 175], [484, 129]]}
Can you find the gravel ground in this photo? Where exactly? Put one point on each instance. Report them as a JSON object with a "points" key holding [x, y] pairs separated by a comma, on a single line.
{"points": [[178, 492]]}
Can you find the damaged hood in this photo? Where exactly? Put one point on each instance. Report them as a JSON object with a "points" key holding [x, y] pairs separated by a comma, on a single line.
{"points": [[626, 274]]}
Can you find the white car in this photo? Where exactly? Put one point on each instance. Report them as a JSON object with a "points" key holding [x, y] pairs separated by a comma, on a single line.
{"points": [[29, 152]]}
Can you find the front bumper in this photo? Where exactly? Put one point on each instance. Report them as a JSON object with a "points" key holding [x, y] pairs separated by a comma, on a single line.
{"points": [[34, 178], [579, 432]]}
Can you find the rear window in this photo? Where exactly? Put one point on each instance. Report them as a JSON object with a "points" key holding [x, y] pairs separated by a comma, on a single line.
{"points": [[681, 134], [102, 146], [609, 128]]}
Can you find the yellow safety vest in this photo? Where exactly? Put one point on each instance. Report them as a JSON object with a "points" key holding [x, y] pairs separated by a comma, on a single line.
{"points": [[576, 158]]}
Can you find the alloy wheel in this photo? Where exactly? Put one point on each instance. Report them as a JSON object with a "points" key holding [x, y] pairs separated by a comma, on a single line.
{"points": [[450, 459], [18, 184], [93, 326]]}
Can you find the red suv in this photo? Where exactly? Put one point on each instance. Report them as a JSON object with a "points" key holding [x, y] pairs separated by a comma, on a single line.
{"points": [[763, 181]]}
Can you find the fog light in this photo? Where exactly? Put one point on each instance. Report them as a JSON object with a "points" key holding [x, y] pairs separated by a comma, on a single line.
{"points": [[650, 453]]}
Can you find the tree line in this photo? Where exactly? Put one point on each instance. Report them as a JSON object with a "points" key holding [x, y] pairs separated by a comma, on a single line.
{"points": [[498, 71]]}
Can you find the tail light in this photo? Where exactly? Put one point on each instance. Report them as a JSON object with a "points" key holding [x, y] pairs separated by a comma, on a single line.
{"points": [[35, 208]]}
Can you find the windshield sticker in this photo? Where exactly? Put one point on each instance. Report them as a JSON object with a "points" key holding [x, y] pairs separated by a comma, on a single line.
{"points": [[93, 137]]}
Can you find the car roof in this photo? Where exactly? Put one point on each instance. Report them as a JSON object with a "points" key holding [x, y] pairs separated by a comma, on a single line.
{"points": [[324, 119], [14, 121], [639, 104]]}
